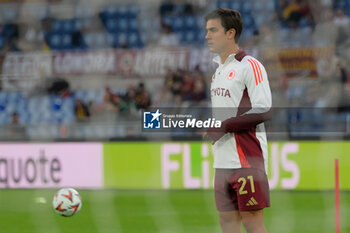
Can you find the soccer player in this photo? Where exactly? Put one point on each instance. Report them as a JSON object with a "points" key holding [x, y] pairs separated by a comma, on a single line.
{"points": [[241, 98]]}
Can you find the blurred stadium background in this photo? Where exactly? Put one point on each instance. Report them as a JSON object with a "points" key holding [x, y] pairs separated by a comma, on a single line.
{"points": [[77, 75]]}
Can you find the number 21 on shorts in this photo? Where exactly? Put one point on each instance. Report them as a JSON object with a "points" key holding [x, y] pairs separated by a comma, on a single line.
{"points": [[243, 180]]}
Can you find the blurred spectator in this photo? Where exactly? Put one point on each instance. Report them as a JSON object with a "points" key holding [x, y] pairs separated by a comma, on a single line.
{"points": [[10, 36], [175, 7], [344, 104], [295, 12], [187, 86], [174, 82], [10, 46], [110, 100], [166, 8], [325, 32], [46, 26], [184, 86], [16, 129], [340, 19], [142, 97], [290, 13], [14, 119], [342, 23], [199, 92], [341, 73], [78, 40], [164, 97], [81, 111], [129, 100], [59, 86], [167, 36]]}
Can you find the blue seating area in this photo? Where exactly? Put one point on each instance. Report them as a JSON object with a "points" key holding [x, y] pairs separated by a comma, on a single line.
{"points": [[121, 23], [122, 26], [35, 110], [121, 30], [342, 4], [46, 109], [2, 41], [66, 35], [189, 28], [248, 9]]}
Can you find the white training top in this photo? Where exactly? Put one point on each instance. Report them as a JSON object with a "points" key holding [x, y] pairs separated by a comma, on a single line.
{"points": [[240, 82]]}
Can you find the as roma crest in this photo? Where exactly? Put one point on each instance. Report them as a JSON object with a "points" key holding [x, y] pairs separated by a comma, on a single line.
{"points": [[231, 74]]}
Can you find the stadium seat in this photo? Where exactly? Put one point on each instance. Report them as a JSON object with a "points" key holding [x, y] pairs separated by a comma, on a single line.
{"points": [[112, 39], [9, 13], [54, 40], [2, 41], [133, 11], [133, 25], [259, 19], [169, 20], [2, 107], [10, 108], [57, 26], [178, 24], [66, 41], [100, 39], [223, 4], [122, 38], [122, 24], [248, 21], [259, 6], [69, 26], [235, 5], [247, 6], [134, 40], [13, 97], [79, 94], [189, 36], [111, 24], [56, 103], [190, 22], [270, 6], [84, 11], [89, 39], [3, 118], [122, 11], [111, 11]]}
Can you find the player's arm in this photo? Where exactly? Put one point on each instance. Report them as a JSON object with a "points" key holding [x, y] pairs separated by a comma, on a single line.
{"points": [[259, 93]]}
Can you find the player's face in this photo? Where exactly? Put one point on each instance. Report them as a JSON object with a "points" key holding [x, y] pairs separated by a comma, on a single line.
{"points": [[218, 39]]}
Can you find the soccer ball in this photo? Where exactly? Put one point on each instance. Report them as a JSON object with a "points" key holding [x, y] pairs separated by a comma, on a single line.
{"points": [[67, 202]]}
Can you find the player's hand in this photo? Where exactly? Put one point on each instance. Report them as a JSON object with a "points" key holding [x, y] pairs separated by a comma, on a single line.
{"points": [[213, 134]]}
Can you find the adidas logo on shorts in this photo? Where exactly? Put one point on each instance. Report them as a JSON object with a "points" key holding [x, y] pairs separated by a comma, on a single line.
{"points": [[252, 202]]}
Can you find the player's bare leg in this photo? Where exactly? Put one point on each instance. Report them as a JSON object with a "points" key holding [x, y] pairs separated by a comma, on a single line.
{"points": [[230, 222], [253, 221]]}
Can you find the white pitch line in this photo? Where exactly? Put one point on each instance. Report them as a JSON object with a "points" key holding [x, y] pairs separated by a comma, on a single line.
{"points": [[42, 212], [103, 210]]}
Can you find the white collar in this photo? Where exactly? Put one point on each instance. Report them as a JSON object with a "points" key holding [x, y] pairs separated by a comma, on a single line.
{"points": [[217, 58]]}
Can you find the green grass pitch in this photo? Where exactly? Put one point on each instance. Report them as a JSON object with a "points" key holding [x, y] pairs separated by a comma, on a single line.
{"points": [[107, 211]]}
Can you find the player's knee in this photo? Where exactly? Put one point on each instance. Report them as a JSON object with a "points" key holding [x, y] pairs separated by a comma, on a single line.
{"points": [[250, 226], [226, 217], [253, 221]]}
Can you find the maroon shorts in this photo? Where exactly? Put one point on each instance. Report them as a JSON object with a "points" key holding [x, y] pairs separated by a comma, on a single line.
{"points": [[241, 189]]}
